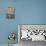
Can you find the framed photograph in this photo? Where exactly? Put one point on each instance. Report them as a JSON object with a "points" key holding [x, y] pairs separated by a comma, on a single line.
{"points": [[32, 32], [10, 13]]}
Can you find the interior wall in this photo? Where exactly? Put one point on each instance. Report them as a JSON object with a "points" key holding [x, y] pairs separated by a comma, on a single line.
{"points": [[31, 11]]}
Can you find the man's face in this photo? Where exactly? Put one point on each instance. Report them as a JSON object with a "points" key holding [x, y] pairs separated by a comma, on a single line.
{"points": [[10, 10]]}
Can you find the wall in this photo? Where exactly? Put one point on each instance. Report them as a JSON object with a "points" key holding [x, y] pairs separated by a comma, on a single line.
{"points": [[27, 12], [31, 11]]}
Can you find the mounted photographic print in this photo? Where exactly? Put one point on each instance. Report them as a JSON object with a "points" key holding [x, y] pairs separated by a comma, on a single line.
{"points": [[10, 13], [28, 34], [32, 32]]}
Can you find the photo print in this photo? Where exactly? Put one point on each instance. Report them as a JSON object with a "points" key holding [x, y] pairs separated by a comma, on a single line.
{"points": [[10, 13]]}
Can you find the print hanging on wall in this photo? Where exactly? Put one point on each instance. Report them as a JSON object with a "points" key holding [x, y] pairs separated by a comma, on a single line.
{"points": [[10, 13], [11, 37]]}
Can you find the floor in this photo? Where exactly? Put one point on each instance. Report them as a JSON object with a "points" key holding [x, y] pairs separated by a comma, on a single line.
{"points": [[28, 43], [7, 45]]}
